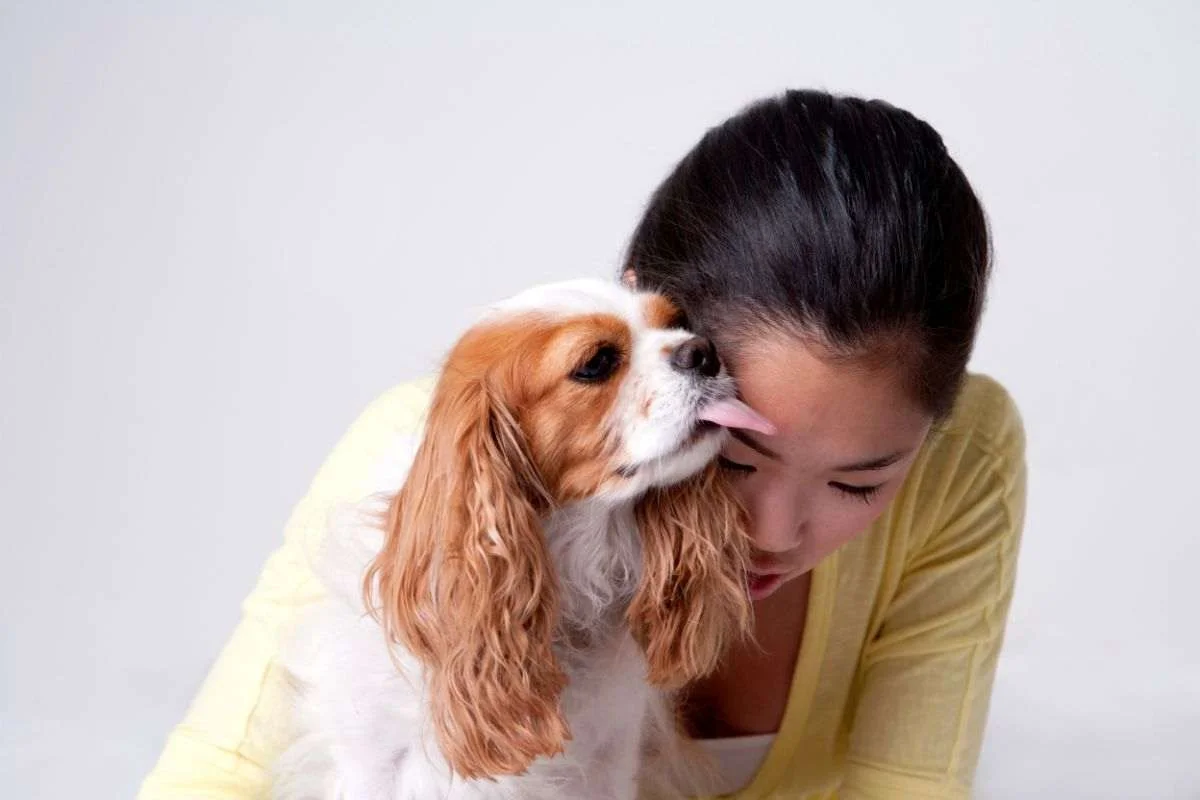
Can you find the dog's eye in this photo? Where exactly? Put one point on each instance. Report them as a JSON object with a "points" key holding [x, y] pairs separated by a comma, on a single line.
{"points": [[599, 367]]}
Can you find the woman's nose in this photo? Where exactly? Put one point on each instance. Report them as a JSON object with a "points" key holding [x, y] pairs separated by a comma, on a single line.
{"points": [[775, 534]]}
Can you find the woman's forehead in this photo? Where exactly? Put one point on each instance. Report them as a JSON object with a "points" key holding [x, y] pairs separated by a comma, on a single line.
{"points": [[841, 403]]}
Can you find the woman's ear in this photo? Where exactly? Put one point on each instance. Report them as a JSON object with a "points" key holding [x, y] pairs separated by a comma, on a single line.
{"points": [[692, 602], [464, 583]]}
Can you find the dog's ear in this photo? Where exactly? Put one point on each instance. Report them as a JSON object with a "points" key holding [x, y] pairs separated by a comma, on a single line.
{"points": [[464, 583], [692, 602]]}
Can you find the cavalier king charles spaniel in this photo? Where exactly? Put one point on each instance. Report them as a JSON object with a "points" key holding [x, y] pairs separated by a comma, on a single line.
{"points": [[561, 555]]}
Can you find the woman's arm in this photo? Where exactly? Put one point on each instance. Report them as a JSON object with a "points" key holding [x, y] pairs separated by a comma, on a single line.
{"points": [[238, 722], [926, 677]]}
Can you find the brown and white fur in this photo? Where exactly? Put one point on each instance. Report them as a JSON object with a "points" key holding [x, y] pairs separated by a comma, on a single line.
{"points": [[561, 555]]}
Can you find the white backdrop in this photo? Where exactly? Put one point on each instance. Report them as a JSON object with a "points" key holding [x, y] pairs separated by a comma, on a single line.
{"points": [[222, 232]]}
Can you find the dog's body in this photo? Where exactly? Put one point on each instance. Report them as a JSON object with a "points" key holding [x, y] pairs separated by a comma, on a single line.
{"points": [[460, 654], [366, 730]]}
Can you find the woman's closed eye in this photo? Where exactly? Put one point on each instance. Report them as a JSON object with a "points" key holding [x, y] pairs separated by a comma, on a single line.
{"points": [[735, 467], [863, 493]]}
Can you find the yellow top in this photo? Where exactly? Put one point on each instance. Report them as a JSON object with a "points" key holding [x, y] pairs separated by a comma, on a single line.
{"points": [[891, 687]]}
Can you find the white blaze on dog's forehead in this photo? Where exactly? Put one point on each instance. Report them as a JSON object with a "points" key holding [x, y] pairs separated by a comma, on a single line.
{"points": [[572, 298]]}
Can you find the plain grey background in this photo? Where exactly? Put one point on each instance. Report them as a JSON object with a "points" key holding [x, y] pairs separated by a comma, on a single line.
{"points": [[224, 228]]}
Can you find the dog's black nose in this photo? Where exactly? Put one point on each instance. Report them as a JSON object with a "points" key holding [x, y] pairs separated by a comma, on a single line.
{"points": [[697, 355]]}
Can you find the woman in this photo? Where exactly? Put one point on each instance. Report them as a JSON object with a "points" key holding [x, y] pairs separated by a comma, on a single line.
{"points": [[838, 257]]}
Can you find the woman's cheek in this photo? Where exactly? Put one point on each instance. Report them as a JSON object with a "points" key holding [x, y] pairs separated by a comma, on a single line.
{"points": [[836, 527], [842, 520]]}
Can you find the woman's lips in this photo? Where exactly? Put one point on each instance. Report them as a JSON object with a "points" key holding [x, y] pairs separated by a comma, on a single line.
{"points": [[761, 585]]}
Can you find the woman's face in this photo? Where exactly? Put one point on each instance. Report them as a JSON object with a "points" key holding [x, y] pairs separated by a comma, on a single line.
{"points": [[847, 435]]}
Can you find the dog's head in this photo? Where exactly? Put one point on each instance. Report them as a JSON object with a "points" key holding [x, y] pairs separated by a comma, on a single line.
{"points": [[584, 391]]}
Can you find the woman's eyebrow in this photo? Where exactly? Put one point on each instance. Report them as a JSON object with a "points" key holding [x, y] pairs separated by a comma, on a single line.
{"points": [[874, 463], [753, 444]]}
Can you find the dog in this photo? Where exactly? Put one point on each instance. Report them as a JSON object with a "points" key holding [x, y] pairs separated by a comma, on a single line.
{"points": [[561, 556]]}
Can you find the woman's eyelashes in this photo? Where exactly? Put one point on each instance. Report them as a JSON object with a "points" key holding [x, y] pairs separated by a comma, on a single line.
{"points": [[863, 493], [735, 466]]}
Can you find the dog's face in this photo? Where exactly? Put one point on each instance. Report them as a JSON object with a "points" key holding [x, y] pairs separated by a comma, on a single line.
{"points": [[606, 387], [584, 391]]}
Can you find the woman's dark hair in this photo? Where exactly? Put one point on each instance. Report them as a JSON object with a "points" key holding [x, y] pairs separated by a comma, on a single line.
{"points": [[836, 218]]}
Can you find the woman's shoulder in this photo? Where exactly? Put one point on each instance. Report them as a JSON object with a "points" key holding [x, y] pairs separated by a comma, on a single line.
{"points": [[402, 407], [965, 490], [985, 418], [972, 461]]}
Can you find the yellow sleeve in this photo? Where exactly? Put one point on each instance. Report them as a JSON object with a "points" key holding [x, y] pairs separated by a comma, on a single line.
{"points": [[926, 676], [238, 722]]}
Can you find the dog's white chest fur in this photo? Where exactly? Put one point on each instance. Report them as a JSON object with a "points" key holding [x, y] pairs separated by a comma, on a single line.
{"points": [[361, 714]]}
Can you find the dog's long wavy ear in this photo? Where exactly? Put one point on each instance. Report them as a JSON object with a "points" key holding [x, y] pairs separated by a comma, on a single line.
{"points": [[692, 601], [464, 583]]}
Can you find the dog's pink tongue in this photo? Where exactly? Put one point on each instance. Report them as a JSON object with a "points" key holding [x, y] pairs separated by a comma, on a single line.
{"points": [[736, 414]]}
